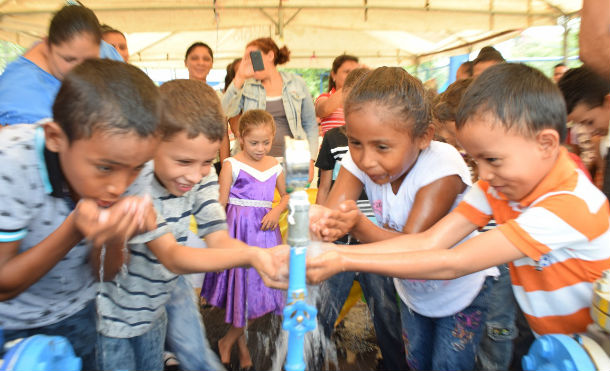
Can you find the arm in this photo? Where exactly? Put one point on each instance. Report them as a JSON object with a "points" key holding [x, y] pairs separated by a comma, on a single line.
{"points": [[271, 220], [224, 183], [472, 256], [432, 202], [594, 37], [234, 124], [18, 271], [324, 186], [423, 255], [232, 100], [225, 146], [327, 105]]}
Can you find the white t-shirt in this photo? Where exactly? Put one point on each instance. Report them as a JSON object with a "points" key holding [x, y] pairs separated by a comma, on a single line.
{"points": [[431, 298]]}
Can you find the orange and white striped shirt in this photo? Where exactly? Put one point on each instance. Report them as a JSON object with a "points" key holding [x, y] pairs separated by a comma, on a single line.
{"points": [[563, 228]]}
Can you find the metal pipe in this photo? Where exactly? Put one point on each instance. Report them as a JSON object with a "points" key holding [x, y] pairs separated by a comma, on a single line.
{"points": [[299, 317]]}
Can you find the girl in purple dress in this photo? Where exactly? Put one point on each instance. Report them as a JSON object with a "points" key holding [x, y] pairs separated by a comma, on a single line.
{"points": [[247, 184]]}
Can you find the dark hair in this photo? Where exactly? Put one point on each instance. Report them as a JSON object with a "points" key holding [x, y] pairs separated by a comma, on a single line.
{"points": [[231, 72], [468, 65], [337, 63], [196, 45], [519, 97], [191, 106], [72, 20], [397, 91], [254, 118], [583, 85], [353, 77], [266, 44], [559, 65], [445, 105], [101, 94], [108, 29], [488, 53]]}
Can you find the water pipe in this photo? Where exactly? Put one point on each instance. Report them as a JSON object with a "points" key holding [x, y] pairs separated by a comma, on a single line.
{"points": [[299, 317]]}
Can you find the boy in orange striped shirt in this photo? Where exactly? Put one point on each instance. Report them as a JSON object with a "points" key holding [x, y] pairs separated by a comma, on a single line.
{"points": [[554, 224]]}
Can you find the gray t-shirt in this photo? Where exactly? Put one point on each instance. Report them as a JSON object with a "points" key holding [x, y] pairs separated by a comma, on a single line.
{"points": [[135, 298], [275, 107], [34, 202]]}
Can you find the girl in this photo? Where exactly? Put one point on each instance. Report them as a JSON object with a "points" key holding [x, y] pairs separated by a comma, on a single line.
{"points": [[247, 184], [412, 182], [329, 106]]}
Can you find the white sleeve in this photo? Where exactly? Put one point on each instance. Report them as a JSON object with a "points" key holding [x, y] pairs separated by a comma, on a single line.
{"points": [[441, 160], [350, 166]]}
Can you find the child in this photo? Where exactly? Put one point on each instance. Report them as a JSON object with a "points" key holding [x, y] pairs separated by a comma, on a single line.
{"points": [[378, 290], [247, 184], [131, 307], [412, 182], [553, 223], [496, 347], [587, 97], [53, 177]]}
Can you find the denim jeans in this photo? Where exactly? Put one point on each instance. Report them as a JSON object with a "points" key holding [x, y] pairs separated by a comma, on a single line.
{"points": [[380, 296], [496, 347], [143, 352], [445, 343], [79, 329], [186, 336]]}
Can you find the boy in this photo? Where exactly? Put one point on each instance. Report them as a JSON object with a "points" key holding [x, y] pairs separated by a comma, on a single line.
{"points": [[587, 97], [132, 306], [553, 224], [53, 177]]}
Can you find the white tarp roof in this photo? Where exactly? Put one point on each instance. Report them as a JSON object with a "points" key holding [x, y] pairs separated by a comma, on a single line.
{"points": [[380, 32]]}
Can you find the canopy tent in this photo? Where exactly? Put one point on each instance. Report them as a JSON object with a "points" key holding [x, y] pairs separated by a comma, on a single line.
{"points": [[380, 32]]}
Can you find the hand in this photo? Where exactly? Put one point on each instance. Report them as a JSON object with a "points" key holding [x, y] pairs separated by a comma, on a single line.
{"points": [[324, 266], [330, 225], [244, 71], [271, 263], [270, 221], [114, 225]]}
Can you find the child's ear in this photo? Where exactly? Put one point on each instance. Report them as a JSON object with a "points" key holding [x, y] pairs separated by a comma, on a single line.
{"points": [[423, 141], [606, 103], [548, 141], [55, 138]]}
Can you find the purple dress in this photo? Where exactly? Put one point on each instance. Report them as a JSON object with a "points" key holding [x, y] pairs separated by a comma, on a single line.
{"points": [[241, 291]]}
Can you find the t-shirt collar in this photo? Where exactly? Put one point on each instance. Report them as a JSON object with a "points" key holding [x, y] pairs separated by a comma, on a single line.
{"points": [[560, 172], [53, 179]]}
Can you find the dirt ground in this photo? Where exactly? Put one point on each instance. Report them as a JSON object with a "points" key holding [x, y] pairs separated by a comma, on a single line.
{"points": [[354, 340]]}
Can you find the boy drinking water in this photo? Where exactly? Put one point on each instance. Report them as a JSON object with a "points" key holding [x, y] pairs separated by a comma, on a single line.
{"points": [[53, 177], [553, 223], [132, 306]]}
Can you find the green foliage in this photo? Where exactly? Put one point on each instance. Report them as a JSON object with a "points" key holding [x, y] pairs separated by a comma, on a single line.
{"points": [[312, 78], [8, 52]]}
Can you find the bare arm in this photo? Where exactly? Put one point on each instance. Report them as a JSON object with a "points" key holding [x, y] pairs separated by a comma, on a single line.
{"points": [[224, 183], [324, 186], [432, 202], [594, 37], [423, 255], [225, 147], [327, 105]]}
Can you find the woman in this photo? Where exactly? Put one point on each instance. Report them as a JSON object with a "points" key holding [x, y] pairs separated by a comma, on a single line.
{"points": [[329, 106], [117, 39], [29, 84], [198, 60], [284, 95]]}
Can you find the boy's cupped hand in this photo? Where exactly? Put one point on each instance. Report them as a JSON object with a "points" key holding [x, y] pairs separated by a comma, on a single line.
{"points": [[329, 225], [116, 224], [272, 265], [324, 266]]}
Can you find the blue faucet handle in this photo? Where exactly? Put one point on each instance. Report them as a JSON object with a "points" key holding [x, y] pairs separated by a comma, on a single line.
{"points": [[300, 317]]}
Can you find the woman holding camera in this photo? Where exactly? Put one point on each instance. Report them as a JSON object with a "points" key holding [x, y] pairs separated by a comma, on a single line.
{"points": [[259, 85]]}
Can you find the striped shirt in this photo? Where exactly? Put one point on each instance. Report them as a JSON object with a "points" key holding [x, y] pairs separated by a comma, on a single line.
{"points": [[335, 119], [135, 298], [563, 228]]}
